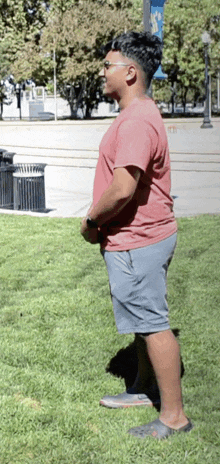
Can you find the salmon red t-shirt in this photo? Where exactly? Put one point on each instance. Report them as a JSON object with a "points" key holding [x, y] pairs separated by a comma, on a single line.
{"points": [[138, 138]]}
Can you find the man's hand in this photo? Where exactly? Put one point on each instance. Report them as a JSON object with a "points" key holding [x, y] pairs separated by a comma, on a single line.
{"points": [[89, 234], [117, 195], [112, 201]]}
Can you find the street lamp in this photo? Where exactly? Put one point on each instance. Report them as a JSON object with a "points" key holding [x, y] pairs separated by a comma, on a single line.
{"points": [[218, 90], [147, 28], [18, 95], [206, 39], [147, 18], [55, 81], [48, 55]]}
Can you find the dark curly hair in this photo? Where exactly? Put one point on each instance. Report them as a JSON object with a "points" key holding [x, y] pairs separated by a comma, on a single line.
{"points": [[142, 47]]}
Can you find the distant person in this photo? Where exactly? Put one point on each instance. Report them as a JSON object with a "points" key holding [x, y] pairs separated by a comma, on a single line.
{"points": [[132, 216]]}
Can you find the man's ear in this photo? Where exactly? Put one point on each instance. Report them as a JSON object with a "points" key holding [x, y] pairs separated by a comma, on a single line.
{"points": [[131, 74]]}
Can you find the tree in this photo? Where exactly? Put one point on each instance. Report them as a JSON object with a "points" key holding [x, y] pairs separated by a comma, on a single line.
{"points": [[183, 58], [4, 73], [32, 30], [76, 31], [21, 22]]}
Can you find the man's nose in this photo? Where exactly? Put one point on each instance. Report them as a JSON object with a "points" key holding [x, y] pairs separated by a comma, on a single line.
{"points": [[102, 74]]}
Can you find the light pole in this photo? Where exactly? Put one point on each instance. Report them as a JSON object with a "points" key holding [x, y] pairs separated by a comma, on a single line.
{"points": [[18, 94], [147, 13], [206, 39], [55, 82], [153, 23], [218, 91], [147, 28]]}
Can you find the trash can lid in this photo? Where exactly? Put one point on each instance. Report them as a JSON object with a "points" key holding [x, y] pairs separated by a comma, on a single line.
{"points": [[8, 153], [27, 174], [28, 170], [7, 168]]}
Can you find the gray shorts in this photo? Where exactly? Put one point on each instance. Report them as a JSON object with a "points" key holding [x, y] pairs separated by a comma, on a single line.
{"points": [[137, 281]]}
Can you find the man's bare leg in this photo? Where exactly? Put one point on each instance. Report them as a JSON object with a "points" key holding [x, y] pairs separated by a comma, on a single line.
{"points": [[163, 351]]}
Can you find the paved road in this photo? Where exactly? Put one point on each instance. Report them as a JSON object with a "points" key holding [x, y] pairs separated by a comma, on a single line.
{"points": [[70, 150]]}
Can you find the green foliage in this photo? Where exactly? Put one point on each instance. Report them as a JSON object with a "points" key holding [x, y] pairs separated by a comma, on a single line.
{"points": [[58, 334], [75, 29], [183, 59], [21, 23], [31, 30], [76, 35]]}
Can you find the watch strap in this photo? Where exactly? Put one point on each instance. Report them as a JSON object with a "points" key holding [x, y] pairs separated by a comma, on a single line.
{"points": [[90, 223]]}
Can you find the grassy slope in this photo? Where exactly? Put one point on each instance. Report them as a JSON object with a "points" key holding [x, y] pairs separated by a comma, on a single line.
{"points": [[58, 334]]}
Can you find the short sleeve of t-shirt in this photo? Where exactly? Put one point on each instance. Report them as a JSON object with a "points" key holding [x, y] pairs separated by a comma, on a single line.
{"points": [[134, 144]]}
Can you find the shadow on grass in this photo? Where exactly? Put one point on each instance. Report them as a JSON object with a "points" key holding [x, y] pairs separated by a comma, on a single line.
{"points": [[125, 365]]}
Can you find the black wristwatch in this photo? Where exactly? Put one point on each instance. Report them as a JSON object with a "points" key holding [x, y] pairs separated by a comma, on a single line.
{"points": [[90, 223]]}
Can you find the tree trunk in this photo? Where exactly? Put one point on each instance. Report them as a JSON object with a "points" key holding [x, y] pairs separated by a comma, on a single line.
{"points": [[72, 100], [173, 97], [1, 111], [88, 112], [184, 99]]}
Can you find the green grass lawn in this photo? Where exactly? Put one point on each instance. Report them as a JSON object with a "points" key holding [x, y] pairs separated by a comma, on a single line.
{"points": [[58, 335]]}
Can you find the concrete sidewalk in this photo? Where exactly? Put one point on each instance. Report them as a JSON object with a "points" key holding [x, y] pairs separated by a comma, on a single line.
{"points": [[70, 150]]}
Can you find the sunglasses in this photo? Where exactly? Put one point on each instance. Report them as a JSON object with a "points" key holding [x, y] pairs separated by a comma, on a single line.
{"points": [[107, 64]]}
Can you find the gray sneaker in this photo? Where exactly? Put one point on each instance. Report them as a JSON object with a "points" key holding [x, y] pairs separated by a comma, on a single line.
{"points": [[126, 400]]}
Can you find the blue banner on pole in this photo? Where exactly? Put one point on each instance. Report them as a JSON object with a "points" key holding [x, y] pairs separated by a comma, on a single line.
{"points": [[157, 12]]}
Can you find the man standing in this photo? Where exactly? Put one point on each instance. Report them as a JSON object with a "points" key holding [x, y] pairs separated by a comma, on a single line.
{"points": [[132, 212]]}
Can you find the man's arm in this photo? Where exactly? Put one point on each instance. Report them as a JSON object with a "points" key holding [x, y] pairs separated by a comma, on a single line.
{"points": [[113, 200]]}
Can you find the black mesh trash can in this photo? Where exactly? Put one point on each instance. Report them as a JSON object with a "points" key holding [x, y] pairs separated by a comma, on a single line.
{"points": [[29, 187], [6, 187], [7, 158], [2, 151]]}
